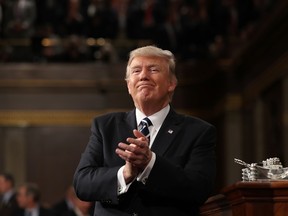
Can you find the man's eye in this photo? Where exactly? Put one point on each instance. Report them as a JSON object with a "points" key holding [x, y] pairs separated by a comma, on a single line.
{"points": [[136, 71], [154, 70]]}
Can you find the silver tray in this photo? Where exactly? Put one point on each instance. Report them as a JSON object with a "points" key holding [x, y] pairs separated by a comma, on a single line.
{"points": [[270, 169]]}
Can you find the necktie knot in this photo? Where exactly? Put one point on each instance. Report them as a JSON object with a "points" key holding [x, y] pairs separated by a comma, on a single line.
{"points": [[144, 126]]}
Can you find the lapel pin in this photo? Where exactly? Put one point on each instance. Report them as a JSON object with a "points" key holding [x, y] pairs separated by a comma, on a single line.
{"points": [[170, 131]]}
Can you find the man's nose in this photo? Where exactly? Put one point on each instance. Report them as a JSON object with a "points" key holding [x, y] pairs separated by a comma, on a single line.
{"points": [[144, 74]]}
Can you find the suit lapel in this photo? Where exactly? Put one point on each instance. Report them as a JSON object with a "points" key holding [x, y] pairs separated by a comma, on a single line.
{"points": [[129, 123], [168, 131]]}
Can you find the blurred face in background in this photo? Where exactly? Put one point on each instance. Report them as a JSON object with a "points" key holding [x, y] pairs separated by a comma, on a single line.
{"points": [[83, 206], [5, 185], [23, 198]]}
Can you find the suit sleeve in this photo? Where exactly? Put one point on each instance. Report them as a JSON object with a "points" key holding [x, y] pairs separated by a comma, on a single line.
{"points": [[95, 180]]}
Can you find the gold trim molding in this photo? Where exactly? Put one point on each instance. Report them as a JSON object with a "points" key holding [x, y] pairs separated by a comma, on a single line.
{"points": [[20, 118], [64, 83], [80, 118]]}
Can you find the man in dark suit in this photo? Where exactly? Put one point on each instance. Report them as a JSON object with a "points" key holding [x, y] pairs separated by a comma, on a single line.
{"points": [[66, 204], [71, 205], [28, 198], [168, 169], [8, 203]]}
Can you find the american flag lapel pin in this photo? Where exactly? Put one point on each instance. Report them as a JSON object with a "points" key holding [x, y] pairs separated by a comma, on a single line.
{"points": [[170, 131]]}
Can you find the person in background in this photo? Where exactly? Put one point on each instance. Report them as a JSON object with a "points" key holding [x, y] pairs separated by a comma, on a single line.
{"points": [[8, 203], [81, 208], [150, 160], [65, 205], [20, 17], [71, 205], [28, 198]]}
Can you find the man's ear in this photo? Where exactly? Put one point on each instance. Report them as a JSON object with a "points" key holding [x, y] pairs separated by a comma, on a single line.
{"points": [[172, 85]]}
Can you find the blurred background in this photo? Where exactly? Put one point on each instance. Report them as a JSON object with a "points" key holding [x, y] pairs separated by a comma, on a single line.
{"points": [[62, 62]]}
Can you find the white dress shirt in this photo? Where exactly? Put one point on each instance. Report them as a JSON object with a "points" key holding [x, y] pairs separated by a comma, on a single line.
{"points": [[7, 196], [32, 211], [157, 120]]}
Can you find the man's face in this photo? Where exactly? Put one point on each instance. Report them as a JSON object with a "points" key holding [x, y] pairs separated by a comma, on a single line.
{"points": [[4, 185], [149, 80], [22, 197], [2, 182]]}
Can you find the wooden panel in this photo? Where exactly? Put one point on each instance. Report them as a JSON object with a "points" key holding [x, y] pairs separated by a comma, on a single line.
{"points": [[52, 156], [217, 205], [267, 198]]}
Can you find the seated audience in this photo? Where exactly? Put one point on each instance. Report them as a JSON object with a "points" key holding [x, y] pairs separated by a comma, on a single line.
{"points": [[66, 204], [71, 205], [28, 198], [8, 203]]}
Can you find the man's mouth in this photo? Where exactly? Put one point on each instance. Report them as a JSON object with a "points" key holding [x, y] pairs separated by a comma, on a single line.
{"points": [[145, 85]]}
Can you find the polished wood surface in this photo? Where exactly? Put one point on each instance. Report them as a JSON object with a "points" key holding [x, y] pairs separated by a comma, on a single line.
{"points": [[259, 198], [217, 205]]}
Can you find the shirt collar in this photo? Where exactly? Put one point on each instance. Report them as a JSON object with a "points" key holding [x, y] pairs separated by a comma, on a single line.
{"points": [[69, 204], [34, 211], [8, 195], [157, 118]]}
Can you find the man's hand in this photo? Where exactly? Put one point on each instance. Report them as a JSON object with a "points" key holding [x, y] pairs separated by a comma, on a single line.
{"points": [[137, 155]]}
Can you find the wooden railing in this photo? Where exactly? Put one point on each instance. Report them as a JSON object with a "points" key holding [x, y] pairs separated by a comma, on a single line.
{"points": [[266, 198]]}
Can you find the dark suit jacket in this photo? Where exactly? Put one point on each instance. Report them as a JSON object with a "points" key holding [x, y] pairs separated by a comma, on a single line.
{"points": [[42, 212], [10, 208], [60, 208], [180, 181]]}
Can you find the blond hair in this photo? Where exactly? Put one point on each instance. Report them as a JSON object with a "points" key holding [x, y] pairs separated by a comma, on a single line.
{"points": [[153, 51]]}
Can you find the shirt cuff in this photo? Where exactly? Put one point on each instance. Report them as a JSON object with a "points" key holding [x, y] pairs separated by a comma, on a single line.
{"points": [[142, 177], [122, 187]]}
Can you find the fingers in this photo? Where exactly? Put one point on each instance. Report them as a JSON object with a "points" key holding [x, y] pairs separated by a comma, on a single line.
{"points": [[140, 143], [136, 149], [134, 154], [138, 134], [129, 172], [137, 152], [130, 153], [140, 140]]}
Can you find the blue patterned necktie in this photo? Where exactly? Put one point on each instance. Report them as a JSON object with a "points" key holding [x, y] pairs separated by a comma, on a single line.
{"points": [[144, 126]]}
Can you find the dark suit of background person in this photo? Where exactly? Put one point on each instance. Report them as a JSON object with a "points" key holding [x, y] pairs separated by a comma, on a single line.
{"points": [[71, 205], [63, 206], [8, 203], [81, 208], [42, 212], [184, 170]]}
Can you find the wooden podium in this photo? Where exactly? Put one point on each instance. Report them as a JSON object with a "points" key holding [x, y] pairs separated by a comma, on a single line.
{"points": [[258, 198]]}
